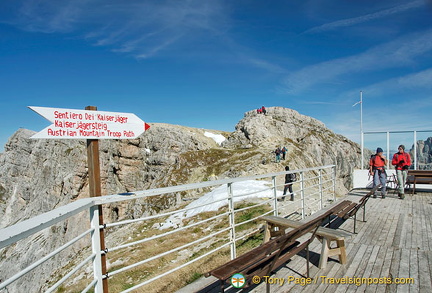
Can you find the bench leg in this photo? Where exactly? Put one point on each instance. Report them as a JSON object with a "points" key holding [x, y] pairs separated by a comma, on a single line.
{"points": [[267, 232], [342, 251], [270, 231], [364, 213], [326, 252]]}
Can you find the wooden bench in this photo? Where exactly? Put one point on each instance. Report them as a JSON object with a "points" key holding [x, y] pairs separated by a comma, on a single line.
{"points": [[418, 177], [263, 260], [351, 208], [277, 225]]}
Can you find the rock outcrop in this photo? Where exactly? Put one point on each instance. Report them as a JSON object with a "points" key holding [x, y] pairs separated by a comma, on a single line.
{"points": [[424, 153], [309, 142]]}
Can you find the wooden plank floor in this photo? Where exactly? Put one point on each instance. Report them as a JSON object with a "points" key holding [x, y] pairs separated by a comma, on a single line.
{"points": [[394, 242]]}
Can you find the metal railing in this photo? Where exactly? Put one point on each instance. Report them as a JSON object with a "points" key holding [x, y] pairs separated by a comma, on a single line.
{"points": [[389, 140], [224, 228]]}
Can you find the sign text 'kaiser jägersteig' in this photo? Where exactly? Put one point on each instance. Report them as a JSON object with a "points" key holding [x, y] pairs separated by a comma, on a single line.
{"points": [[86, 124]]}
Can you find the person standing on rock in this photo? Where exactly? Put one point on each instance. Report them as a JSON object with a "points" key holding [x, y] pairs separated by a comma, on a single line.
{"points": [[263, 110], [278, 153], [402, 161], [377, 164], [284, 151], [289, 179]]}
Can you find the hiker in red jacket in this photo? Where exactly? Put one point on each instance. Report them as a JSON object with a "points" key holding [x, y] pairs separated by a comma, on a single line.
{"points": [[377, 164], [402, 161]]}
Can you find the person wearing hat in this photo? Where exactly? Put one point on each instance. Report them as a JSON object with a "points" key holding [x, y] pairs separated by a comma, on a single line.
{"points": [[377, 164], [402, 161]]}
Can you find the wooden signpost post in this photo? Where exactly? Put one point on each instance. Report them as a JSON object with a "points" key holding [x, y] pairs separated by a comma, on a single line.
{"points": [[92, 125]]}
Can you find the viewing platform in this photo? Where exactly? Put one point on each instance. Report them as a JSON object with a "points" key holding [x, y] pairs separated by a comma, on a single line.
{"points": [[393, 246]]}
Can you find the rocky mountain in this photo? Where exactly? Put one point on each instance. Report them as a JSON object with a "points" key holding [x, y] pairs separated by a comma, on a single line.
{"points": [[424, 153], [39, 175], [309, 142]]}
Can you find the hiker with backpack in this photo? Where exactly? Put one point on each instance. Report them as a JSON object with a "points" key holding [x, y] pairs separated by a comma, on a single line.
{"points": [[278, 153], [284, 151], [289, 179], [377, 165]]}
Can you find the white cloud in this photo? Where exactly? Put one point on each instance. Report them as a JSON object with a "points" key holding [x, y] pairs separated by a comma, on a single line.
{"points": [[48, 16], [263, 64], [395, 54], [380, 114], [415, 81], [141, 28], [367, 17]]}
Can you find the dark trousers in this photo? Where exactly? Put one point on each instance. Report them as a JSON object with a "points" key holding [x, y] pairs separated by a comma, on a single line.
{"points": [[288, 186]]}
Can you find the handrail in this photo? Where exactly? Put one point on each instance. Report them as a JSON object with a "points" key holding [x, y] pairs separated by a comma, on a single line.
{"points": [[316, 185], [14, 233]]}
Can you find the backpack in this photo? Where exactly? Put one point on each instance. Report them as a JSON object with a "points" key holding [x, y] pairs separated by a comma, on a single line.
{"points": [[292, 177]]}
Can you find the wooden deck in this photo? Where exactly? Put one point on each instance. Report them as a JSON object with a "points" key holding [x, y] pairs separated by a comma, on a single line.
{"points": [[395, 242]]}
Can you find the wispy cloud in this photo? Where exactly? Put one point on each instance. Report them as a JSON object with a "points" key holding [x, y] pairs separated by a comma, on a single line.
{"points": [[395, 54], [402, 112], [318, 103], [415, 81], [391, 118], [263, 64], [140, 28], [365, 18], [48, 16]]}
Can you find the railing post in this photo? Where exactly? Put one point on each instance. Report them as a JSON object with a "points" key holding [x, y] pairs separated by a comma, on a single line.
{"points": [[96, 244], [388, 150], [415, 150], [320, 187], [275, 205], [302, 194], [334, 181], [232, 221]]}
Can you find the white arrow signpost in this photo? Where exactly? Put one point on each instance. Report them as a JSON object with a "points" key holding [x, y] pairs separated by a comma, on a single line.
{"points": [[92, 125], [85, 124]]}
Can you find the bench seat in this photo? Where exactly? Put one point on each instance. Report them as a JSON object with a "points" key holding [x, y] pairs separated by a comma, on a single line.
{"points": [[263, 260], [325, 235], [418, 177]]}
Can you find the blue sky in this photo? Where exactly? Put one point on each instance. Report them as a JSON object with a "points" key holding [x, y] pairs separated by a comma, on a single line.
{"points": [[204, 63]]}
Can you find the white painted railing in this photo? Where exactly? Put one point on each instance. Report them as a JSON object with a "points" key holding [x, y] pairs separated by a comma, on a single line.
{"points": [[389, 142], [316, 187]]}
